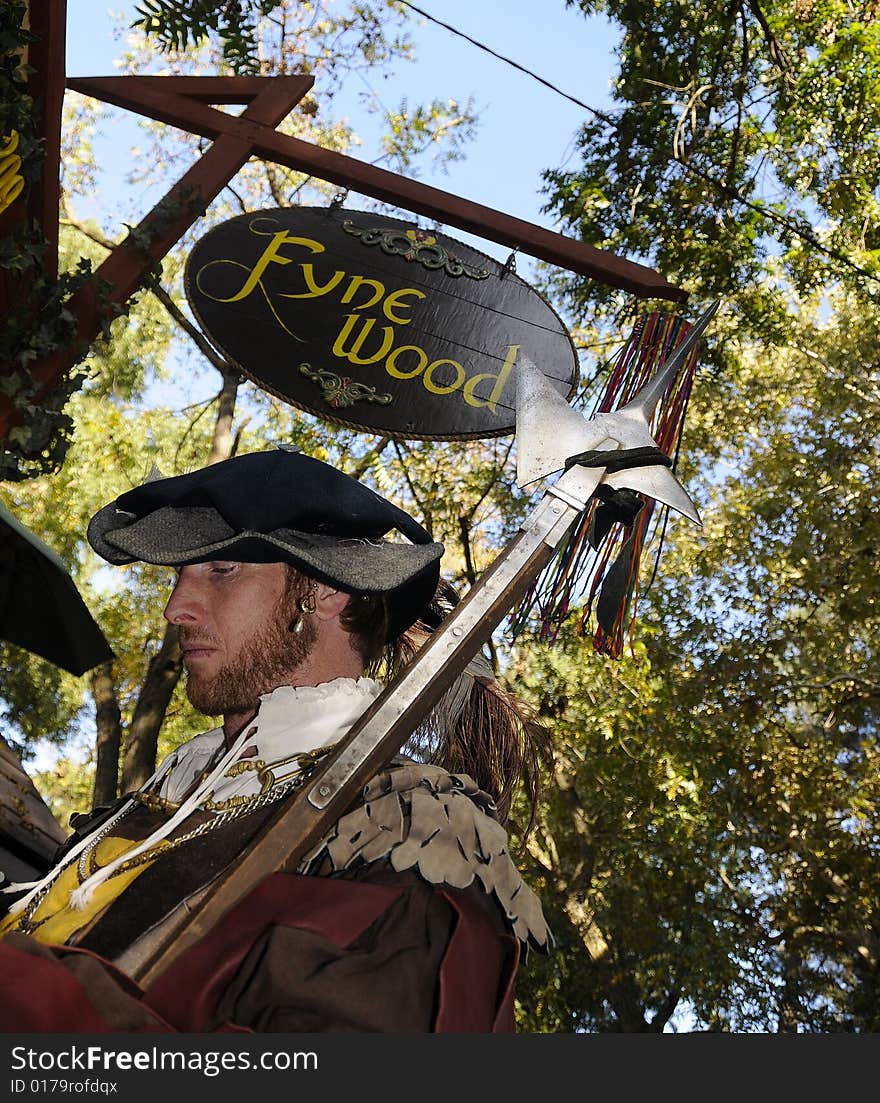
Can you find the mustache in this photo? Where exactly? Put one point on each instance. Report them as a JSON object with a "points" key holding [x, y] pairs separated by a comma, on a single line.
{"points": [[186, 639]]}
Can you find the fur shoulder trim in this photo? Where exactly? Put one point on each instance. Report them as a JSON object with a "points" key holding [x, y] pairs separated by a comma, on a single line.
{"points": [[441, 824]]}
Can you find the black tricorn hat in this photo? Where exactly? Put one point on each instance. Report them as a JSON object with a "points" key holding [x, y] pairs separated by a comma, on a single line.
{"points": [[277, 506]]}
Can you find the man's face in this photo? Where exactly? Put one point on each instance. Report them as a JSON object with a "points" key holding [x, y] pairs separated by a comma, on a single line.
{"points": [[234, 621]]}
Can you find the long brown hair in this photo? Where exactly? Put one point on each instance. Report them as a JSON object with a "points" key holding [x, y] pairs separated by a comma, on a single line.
{"points": [[479, 727]]}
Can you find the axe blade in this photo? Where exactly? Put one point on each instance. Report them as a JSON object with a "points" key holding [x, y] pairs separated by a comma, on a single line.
{"points": [[548, 430], [658, 483]]}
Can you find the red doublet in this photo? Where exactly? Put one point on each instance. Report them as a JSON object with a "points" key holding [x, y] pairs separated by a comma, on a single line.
{"points": [[222, 983]]}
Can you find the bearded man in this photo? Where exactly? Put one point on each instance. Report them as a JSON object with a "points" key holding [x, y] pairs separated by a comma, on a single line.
{"points": [[409, 915]]}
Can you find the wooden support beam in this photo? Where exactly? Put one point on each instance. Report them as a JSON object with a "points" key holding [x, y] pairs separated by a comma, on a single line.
{"points": [[125, 268], [45, 19], [169, 220], [186, 102], [46, 57], [150, 96]]}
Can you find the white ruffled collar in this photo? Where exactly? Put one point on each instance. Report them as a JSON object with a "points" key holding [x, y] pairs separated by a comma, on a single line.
{"points": [[291, 720]]}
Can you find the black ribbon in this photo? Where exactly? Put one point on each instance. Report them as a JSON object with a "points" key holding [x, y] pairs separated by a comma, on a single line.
{"points": [[616, 506], [620, 459]]}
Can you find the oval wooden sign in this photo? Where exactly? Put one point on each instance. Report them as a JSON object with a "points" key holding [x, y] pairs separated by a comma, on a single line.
{"points": [[370, 322]]}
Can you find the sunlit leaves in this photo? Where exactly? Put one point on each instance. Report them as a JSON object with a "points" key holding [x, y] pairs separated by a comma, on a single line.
{"points": [[764, 636]]}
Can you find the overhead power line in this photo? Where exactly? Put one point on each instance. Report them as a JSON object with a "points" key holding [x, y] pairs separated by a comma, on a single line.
{"points": [[724, 189]]}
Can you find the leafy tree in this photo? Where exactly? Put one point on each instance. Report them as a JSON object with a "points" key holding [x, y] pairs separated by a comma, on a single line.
{"points": [[707, 849], [712, 843], [176, 24], [742, 160]]}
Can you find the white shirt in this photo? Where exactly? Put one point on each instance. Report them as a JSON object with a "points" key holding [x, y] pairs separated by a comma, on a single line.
{"points": [[290, 721]]}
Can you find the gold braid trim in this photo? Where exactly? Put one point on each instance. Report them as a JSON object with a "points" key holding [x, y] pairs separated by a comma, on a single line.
{"points": [[442, 824], [268, 777]]}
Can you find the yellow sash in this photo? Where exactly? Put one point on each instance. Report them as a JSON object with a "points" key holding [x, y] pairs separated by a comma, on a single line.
{"points": [[54, 921]]}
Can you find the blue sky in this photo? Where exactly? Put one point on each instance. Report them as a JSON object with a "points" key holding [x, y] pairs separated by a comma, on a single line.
{"points": [[524, 127]]}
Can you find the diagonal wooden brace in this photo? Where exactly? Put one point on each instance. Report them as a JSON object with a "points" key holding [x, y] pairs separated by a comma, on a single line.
{"points": [[271, 100], [186, 102], [150, 96]]}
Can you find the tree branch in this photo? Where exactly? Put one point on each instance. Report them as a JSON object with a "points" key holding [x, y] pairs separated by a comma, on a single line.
{"points": [[205, 348], [374, 453], [777, 54], [108, 722]]}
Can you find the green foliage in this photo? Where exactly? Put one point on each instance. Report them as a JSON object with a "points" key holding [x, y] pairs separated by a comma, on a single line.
{"points": [[237, 26], [624, 850], [726, 105], [16, 107], [39, 700], [712, 839], [177, 24], [66, 787], [444, 126]]}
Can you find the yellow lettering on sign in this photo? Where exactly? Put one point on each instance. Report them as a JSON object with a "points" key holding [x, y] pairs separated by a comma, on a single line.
{"points": [[353, 353], [360, 334], [391, 363], [271, 255], [362, 281], [500, 379], [11, 180], [315, 290], [393, 301], [434, 388], [410, 361]]}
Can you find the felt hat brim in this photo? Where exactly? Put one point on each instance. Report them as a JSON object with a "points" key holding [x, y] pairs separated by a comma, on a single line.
{"points": [[175, 537], [277, 506]]}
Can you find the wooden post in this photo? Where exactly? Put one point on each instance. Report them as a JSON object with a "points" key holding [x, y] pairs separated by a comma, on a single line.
{"points": [[45, 19], [127, 265], [46, 86]]}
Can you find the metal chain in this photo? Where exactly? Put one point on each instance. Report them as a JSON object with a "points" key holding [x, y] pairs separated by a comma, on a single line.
{"points": [[85, 868]]}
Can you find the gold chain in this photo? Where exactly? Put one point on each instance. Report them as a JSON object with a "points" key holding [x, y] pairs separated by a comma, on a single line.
{"points": [[266, 777], [87, 864]]}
